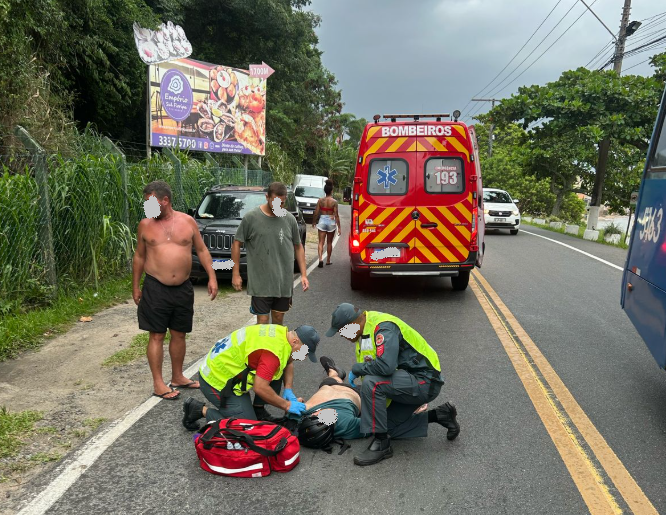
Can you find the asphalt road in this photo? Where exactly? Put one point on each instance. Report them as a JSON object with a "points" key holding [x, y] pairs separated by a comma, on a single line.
{"points": [[504, 460]]}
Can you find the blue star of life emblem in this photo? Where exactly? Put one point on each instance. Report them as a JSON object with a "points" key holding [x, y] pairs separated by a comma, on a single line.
{"points": [[387, 177]]}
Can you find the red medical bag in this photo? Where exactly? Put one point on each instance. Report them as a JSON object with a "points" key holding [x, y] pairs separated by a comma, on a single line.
{"points": [[246, 448]]}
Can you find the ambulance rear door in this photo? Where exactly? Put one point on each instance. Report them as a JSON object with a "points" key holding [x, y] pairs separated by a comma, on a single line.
{"points": [[443, 209], [385, 206]]}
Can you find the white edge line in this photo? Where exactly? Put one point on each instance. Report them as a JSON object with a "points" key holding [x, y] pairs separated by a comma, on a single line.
{"points": [[315, 263], [73, 469], [577, 250]]}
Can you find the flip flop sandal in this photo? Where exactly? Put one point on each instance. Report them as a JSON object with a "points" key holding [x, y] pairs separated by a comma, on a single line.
{"points": [[164, 395], [187, 386]]}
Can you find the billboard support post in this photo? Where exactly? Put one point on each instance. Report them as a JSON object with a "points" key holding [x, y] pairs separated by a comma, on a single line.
{"points": [[245, 164], [149, 121]]}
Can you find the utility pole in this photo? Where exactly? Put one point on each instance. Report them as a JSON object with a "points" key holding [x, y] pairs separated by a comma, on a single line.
{"points": [[492, 125], [604, 145]]}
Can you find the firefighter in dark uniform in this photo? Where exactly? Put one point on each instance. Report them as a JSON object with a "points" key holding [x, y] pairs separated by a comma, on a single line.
{"points": [[400, 372]]}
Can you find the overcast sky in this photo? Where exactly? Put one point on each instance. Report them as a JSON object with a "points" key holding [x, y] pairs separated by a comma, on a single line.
{"points": [[432, 56]]}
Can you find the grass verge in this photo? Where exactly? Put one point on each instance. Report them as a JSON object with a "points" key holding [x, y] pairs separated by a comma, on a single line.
{"points": [[581, 231], [19, 332], [136, 350], [12, 427]]}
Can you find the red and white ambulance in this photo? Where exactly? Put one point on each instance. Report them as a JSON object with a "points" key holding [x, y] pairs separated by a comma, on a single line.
{"points": [[417, 200]]}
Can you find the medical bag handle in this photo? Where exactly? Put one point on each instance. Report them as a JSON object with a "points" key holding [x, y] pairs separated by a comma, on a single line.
{"points": [[215, 428]]}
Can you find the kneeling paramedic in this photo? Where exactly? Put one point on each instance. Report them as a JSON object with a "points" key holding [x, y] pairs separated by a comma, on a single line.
{"points": [[256, 356], [400, 371]]}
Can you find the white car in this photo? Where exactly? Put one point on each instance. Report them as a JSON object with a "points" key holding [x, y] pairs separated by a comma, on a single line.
{"points": [[500, 210]]}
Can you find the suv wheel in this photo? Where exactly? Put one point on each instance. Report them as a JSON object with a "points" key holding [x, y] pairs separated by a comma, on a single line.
{"points": [[460, 283], [358, 280], [514, 231]]}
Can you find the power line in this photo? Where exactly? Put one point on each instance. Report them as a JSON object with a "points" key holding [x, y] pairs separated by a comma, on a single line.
{"points": [[603, 50], [544, 52], [636, 50], [638, 64], [515, 55], [497, 88]]}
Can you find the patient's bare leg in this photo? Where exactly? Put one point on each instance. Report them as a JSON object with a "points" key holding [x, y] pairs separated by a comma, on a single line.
{"points": [[332, 373]]}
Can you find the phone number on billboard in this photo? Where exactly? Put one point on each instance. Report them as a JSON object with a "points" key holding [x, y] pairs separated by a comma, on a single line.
{"points": [[172, 141]]}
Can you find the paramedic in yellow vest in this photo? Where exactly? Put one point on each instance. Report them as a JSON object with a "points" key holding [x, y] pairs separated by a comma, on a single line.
{"points": [[400, 372], [259, 357]]}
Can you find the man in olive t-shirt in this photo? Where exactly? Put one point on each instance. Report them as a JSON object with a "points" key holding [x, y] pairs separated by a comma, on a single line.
{"points": [[271, 238]]}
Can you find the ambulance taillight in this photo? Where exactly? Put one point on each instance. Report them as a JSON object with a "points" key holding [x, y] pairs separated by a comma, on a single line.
{"points": [[473, 242], [355, 239]]}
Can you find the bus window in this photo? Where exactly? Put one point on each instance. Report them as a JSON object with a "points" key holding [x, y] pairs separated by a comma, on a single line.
{"points": [[657, 166]]}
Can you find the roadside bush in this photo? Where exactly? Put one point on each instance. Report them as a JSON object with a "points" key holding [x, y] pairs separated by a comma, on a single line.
{"points": [[612, 228], [572, 209]]}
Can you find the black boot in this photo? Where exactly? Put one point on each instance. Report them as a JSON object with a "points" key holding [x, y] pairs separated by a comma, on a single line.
{"points": [[446, 416], [378, 450], [328, 364], [193, 411], [263, 414]]}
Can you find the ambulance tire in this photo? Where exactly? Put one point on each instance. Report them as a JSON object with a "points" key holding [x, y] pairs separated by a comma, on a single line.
{"points": [[358, 280], [460, 283], [513, 231]]}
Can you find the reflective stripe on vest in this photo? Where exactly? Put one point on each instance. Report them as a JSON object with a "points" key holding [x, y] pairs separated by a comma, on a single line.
{"points": [[229, 356], [366, 349]]}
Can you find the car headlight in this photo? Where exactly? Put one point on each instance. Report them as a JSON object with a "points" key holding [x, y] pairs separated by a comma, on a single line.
{"points": [[485, 211], [516, 212]]}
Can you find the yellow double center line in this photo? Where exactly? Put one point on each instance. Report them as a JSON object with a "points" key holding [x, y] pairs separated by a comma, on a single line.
{"points": [[604, 483]]}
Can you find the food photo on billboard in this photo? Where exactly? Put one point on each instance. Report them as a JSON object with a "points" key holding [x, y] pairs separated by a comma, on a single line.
{"points": [[202, 106]]}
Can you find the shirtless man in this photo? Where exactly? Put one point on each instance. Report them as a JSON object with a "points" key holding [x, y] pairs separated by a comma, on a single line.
{"points": [[164, 252]]}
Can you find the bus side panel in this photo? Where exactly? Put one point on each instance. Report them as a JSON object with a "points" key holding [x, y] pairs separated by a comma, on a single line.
{"points": [[648, 246], [645, 305]]}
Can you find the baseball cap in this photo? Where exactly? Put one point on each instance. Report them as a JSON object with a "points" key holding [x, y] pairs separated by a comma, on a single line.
{"points": [[309, 336], [344, 314]]}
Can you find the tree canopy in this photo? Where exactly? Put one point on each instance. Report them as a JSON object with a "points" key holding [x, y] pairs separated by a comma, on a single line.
{"points": [[67, 63], [563, 123]]}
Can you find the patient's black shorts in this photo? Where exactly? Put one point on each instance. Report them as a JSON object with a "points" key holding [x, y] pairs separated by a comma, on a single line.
{"points": [[163, 306]]}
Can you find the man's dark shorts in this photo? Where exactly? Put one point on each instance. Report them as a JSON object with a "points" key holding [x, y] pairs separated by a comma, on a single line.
{"points": [[264, 305], [163, 306]]}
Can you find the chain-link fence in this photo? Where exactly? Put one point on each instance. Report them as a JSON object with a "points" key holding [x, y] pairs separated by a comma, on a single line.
{"points": [[89, 229]]}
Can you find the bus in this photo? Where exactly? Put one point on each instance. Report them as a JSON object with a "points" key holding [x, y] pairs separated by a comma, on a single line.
{"points": [[644, 279]]}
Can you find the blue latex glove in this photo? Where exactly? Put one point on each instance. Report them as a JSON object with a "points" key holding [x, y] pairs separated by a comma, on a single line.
{"points": [[352, 376], [289, 395], [296, 407]]}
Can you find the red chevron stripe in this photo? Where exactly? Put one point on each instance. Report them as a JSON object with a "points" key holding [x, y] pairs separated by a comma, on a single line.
{"points": [[440, 218]]}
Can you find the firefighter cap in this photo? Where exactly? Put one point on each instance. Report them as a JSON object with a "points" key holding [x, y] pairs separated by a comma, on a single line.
{"points": [[310, 337], [344, 314]]}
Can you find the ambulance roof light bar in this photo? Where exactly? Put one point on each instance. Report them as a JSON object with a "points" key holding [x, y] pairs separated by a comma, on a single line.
{"points": [[416, 117]]}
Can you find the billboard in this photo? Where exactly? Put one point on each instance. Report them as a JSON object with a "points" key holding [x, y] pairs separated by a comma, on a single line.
{"points": [[207, 107]]}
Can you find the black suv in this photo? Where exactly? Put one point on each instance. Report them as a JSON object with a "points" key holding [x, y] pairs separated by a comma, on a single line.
{"points": [[218, 216]]}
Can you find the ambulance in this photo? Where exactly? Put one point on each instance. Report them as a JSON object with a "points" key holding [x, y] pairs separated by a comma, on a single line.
{"points": [[417, 200]]}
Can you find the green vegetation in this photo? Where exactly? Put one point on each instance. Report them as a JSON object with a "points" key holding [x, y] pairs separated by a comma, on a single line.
{"points": [[69, 63], [45, 457], [581, 230], [136, 350], [27, 329], [94, 423], [69, 72], [12, 427], [546, 138]]}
